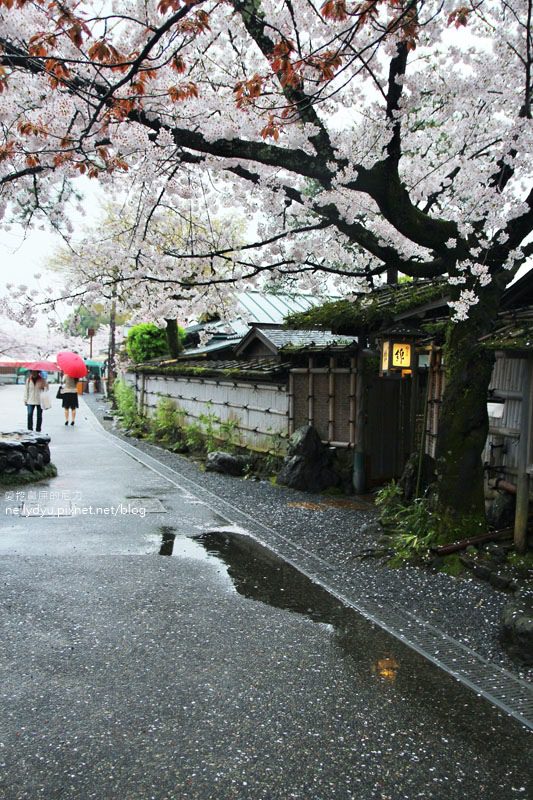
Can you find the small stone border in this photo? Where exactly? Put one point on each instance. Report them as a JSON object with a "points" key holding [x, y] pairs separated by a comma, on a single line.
{"points": [[24, 476], [23, 452]]}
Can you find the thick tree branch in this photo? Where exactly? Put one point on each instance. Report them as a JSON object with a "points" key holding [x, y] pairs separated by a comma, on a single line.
{"points": [[253, 20]]}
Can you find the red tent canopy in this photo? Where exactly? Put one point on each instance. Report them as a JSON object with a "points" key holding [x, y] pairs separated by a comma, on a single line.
{"points": [[41, 366], [11, 362]]}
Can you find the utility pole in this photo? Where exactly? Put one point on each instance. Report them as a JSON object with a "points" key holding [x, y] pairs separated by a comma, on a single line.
{"points": [[90, 334], [111, 352]]}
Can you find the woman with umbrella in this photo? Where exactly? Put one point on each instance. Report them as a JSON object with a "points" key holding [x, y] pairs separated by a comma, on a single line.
{"points": [[35, 384], [69, 398], [73, 367]]}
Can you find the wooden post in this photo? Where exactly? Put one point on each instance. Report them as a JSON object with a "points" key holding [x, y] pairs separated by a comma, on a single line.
{"points": [[353, 405], [522, 483], [291, 403], [331, 400], [359, 467], [310, 394], [414, 404]]}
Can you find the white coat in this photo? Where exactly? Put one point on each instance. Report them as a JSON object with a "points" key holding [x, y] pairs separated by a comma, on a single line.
{"points": [[32, 391]]}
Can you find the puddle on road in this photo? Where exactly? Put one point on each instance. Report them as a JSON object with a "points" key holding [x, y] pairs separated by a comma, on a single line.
{"points": [[180, 546], [371, 655], [259, 574]]}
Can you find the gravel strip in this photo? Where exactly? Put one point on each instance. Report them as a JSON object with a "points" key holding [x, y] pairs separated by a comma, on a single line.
{"points": [[465, 608]]}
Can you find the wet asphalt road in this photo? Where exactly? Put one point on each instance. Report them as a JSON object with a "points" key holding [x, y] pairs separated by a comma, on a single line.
{"points": [[213, 672]]}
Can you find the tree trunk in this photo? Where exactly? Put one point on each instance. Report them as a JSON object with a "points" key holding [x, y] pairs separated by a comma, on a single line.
{"points": [[173, 340], [111, 353], [463, 420]]}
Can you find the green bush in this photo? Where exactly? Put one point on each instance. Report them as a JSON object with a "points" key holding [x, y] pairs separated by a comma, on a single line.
{"points": [[126, 404], [195, 438], [413, 527], [146, 341], [228, 431], [389, 501], [210, 431], [168, 422]]}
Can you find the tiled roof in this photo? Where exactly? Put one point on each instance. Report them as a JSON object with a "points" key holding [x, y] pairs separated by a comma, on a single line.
{"points": [[282, 337], [409, 295], [231, 368], [279, 339], [513, 332], [214, 344]]}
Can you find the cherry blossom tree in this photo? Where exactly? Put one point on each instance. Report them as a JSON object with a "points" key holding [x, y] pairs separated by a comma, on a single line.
{"points": [[364, 137]]}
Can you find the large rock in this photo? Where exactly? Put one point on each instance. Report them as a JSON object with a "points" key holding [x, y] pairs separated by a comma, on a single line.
{"points": [[226, 463], [305, 442], [516, 630], [309, 464], [409, 478], [501, 511]]}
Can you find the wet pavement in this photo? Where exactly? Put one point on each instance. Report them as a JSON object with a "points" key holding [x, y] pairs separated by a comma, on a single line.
{"points": [[154, 651]]}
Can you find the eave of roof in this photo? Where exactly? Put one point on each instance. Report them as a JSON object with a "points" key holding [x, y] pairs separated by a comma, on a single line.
{"points": [[254, 369]]}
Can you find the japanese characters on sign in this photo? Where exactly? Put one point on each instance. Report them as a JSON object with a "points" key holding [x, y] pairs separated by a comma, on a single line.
{"points": [[401, 355]]}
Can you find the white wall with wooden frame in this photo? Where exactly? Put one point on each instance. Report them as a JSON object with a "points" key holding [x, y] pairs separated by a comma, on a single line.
{"points": [[259, 409]]}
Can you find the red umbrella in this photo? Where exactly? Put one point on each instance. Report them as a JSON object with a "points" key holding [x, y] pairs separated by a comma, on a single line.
{"points": [[38, 366], [72, 364]]}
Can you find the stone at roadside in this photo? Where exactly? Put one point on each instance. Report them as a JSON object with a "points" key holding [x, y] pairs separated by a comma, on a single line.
{"points": [[309, 463], [226, 463], [409, 479], [501, 581], [516, 630], [501, 511], [482, 571], [23, 450]]}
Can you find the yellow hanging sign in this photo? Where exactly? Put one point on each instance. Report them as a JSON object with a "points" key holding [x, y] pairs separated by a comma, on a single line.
{"points": [[401, 355]]}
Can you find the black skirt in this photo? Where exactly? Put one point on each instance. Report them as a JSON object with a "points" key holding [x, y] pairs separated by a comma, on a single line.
{"points": [[70, 400]]}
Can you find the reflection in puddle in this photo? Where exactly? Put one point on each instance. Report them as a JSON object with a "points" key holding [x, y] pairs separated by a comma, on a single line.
{"points": [[167, 544], [387, 669], [260, 575], [375, 664], [172, 544]]}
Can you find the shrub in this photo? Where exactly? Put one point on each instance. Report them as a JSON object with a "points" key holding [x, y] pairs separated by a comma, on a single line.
{"points": [[167, 423], [209, 428], [389, 501], [413, 527], [146, 341], [126, 403], [228, 431], [194, 438]]}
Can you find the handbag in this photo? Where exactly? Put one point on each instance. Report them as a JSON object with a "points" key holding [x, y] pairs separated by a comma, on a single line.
{"points": [[46, 403], [59, 394]]}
